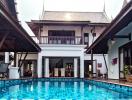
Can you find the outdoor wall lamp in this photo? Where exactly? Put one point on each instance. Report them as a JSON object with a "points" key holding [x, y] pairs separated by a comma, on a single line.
{"points": [[111, 42]]}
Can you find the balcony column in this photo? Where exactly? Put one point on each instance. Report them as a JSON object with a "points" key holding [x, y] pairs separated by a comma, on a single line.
{"points": [[46, 67], [82, 65], [75, 67], [39, 65], [6, 57]]}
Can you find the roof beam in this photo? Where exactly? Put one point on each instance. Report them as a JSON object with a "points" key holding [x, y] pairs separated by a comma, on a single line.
{"points": [[123, 36], [3, 39], [18, 29]]}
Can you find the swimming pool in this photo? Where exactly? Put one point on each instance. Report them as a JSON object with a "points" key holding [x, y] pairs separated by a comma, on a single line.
{"points": [[62, 89]]}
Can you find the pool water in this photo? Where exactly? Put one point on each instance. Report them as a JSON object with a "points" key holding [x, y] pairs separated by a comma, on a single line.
{"points": [[56, 90]]}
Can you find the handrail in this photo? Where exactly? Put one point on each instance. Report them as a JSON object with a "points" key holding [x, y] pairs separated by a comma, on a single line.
{"points": [[73, 40]]}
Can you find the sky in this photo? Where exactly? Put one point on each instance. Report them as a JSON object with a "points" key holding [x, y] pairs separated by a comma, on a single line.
{"points": [[32, 9]]}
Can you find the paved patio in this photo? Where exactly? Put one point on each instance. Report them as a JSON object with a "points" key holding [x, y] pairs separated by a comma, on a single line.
{"points": [[121, 82]]}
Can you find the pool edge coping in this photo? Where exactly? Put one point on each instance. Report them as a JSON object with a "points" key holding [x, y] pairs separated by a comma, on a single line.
{"points": [[105, 81]]}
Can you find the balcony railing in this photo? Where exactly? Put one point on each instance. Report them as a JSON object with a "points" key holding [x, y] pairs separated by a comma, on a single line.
{"points": [[58, 40]]}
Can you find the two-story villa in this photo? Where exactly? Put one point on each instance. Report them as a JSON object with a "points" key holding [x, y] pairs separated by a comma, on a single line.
{"points": [[63, 37]]}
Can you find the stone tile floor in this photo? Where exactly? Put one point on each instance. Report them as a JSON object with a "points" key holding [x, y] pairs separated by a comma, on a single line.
{"points": [[122, 82]]}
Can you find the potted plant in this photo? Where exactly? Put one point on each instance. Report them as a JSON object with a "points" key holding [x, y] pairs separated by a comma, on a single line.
{"points": [[127, 73]]}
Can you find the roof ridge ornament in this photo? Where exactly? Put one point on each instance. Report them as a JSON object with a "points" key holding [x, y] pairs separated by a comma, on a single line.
{"points": [[124, 3], [104, 9], [41, 17]]}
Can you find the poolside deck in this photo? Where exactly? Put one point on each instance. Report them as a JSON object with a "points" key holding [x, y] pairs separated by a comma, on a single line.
{"points": [[121, 82]]}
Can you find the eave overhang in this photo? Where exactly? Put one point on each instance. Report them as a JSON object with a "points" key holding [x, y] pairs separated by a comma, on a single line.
{"points": [[100, 46], [18, 39], [35, 25]]}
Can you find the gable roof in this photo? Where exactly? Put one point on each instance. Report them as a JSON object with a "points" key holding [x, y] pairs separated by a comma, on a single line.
{"points": [[13, 37], [92, 17]]}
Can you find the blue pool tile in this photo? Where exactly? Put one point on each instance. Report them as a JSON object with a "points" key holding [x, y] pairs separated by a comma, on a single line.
{"points": [[114, 87]]}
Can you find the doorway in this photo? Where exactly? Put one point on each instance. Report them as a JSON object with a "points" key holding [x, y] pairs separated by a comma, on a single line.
{"points": [[125, 59], [60, 66], [29, 68], [89, 70]]}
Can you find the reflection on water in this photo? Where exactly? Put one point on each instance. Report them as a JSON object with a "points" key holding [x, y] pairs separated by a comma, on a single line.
{"points": [[60, 90]]}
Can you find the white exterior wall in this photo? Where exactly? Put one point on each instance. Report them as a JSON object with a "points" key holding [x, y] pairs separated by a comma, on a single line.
{"points": [[74, 51], [113, 70], [98, 31], [29, 57], [99, 58], [77, 29], [75, 67], [60, 50], [54, 50], [7, 54]]}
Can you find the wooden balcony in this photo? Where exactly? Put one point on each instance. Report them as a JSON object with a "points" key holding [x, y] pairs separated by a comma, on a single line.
{"points": [[58, 40]]}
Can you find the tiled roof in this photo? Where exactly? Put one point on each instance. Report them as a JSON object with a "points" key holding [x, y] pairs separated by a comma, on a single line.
{"points": [[93, 17]]}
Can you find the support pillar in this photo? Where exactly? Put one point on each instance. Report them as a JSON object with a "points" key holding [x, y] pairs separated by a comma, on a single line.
{"points": [[39, 65], [92, 62], [6, 57], [82, 67], [46, 67], [13, 70], [75, 67]]}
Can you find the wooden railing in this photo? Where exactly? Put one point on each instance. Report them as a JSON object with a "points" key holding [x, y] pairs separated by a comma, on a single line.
{"points": [[58, 40]]}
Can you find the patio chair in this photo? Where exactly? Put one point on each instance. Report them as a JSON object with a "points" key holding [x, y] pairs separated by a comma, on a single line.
{"points": [[62, 72], [56, 72], [4, 69]]}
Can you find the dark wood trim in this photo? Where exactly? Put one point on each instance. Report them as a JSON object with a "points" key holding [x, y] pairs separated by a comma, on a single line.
{"points": [[3, 39], [22, 61], [15, 55], [19, 59], [123, 36], [82, 34], [60, 57], [30, 60], [28, 53], [119, 52], [58, 22], [92, 59], [105, 64], [18, 28]]}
